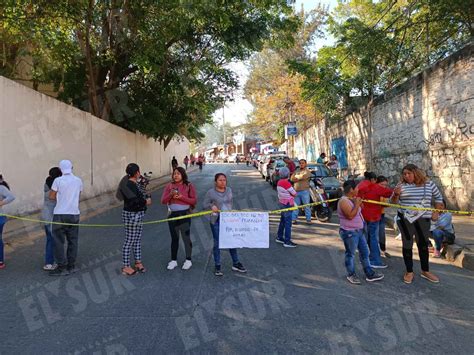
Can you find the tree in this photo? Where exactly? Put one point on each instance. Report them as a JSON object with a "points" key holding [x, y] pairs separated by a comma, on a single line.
{"points": [[380, 44], [162, 62], [214, 133], [273, 90]]}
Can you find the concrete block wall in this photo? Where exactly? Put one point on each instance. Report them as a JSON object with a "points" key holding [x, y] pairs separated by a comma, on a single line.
{"points": [[37, 131]]}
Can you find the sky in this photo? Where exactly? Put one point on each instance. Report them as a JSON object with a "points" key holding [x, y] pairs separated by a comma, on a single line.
{"points": [[236, 112]]}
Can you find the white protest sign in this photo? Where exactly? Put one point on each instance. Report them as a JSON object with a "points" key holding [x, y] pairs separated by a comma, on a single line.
{"points": [[243, 230]]}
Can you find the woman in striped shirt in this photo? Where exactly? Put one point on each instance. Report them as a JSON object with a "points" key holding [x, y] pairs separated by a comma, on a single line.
{"points": [[417, 191]]}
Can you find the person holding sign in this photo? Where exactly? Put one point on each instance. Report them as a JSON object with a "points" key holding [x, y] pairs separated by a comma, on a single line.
{"points": [[286, 198], [217, 199], [417, 191]]}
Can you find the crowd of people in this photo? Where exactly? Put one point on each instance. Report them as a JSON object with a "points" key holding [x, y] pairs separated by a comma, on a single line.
{"points": [[362, 224]]}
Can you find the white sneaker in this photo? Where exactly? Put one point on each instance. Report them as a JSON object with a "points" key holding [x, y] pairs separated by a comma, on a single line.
{"points": [[187, 265], [50, 267], [172, 264]]}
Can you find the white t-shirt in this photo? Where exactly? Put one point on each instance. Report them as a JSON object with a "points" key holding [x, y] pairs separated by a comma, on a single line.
{"points": [[68, 188]]}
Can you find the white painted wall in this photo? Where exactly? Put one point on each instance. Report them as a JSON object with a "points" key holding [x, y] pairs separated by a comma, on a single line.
{"points": [[37, 131]]}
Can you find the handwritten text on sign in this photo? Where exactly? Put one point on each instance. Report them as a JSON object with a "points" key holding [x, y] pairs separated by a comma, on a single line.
{"points": [[243, 230]]}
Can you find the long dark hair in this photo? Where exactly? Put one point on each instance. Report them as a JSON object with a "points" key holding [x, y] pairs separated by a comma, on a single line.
{"points": [[348, 186], [183, 174], [132, 169], [3, 182], [54, 173], [369, 175], [381, 178], [218, 175]]}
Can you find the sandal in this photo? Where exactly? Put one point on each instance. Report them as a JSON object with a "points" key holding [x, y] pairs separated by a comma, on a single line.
{"points": [[139, 267], [128, 271]]}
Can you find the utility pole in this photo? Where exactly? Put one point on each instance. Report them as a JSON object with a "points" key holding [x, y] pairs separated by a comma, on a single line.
{"points": [[223, 129]]}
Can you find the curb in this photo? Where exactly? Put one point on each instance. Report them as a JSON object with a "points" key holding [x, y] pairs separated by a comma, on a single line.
{"points": [[32, 230], [459, 255]]}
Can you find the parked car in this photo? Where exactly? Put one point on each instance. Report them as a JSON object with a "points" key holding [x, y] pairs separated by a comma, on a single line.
{"points": [[258, 158], [222, 159], [274, 170], [241, 157], [262, 161], [269, 159]]}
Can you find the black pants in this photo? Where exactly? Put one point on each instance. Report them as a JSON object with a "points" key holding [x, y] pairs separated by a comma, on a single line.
{"points": [[420, 230], [61, 233], [182, 226]]}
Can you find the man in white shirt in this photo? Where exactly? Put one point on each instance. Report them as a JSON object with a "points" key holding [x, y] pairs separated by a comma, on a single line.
{"points": [[66, 190]]}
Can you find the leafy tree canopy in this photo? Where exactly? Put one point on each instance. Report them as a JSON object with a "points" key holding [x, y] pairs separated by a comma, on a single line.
{"points": [[276, 93], [158, 67], [380, 44]]}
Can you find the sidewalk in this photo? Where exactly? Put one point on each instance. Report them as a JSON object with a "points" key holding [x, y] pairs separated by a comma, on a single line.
{"points": [[18, 232], [461, 253]]}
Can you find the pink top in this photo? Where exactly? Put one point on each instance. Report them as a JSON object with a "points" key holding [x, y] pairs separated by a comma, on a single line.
{"points": [[286, 192], [187, 192], [349, 224]]}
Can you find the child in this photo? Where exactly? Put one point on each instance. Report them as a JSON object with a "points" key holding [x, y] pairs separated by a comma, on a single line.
{"points": [[286, 198]]}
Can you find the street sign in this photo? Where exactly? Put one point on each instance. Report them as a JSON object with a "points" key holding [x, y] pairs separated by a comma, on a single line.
{"points": [[291, 129]]}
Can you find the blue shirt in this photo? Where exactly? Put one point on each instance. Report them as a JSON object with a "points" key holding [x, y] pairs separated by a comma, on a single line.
{"points": [[444, 222]]}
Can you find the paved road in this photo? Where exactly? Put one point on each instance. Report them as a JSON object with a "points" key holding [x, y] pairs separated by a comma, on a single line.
{"points": [[291, 300]]}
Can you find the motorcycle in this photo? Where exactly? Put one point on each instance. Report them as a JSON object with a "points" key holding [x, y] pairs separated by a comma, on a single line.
{"points": [[321, 211], [143, 181]]}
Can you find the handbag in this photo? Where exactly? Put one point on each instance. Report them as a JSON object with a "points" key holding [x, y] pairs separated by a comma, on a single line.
{"points": [[412, 215]]}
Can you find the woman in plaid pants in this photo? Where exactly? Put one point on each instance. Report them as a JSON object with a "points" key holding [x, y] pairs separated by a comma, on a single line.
{"points": [[134, 207]]}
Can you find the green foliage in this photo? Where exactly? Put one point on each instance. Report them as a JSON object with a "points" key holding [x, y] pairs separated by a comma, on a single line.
{"points": [[273, 90], [168, 58], [379, 45]]}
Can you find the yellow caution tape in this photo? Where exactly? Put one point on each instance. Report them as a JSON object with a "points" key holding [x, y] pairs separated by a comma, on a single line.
{"points": [[204, 213], [386, 204], [192, 215]]}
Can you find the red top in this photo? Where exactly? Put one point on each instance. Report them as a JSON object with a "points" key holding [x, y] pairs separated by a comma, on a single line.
{"points": [[291, 166], [372, 191], [187, 192]]}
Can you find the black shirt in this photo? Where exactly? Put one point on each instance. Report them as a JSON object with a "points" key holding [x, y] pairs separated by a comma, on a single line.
{"points": [[137, 203]]}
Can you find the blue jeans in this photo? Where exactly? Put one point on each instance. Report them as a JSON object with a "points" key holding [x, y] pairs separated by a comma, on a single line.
{"points": [[355, 240], [3, 220], [49, 250], [438, 236], [217, 251], [372, 229], [382, 237], [302, 198], [285, 224]]}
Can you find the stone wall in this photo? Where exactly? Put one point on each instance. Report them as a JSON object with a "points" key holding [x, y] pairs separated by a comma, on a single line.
{"points": [[428, 121]]}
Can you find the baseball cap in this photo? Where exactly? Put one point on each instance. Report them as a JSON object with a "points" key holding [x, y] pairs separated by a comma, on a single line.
{"points": [[65, 166]]}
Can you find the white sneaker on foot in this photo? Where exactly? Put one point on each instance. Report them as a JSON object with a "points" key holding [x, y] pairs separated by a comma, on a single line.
{"points": [[50, 267], [172, 264], [187, 265]]}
